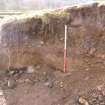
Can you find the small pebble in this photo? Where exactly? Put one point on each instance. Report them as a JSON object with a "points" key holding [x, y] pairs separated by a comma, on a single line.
{"points": [[87, 69], [103, 56], [83, 101], [30, 69], [38, 67], [99, 87], [87, 78], [1, 92], [41, 42], [11, 72], [11, 83], [92, 51], [49, 84], [61, 84]]}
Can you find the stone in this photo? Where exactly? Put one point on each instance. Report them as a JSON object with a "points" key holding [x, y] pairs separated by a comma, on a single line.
{"points": [[87, 69], [29, 81], [49, 84], [82, 101], [61, 84], [11, 72], [102, 56], [30, 69], [99, 87], [61, 39], [92, 51], [102, 103], [38, 67], [1, 92], [41, 42], [100, 97], [86, 78], [11, 83]]}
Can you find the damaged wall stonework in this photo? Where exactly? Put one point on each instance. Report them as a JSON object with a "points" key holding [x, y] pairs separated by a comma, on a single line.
{"points": [[29, 40]]}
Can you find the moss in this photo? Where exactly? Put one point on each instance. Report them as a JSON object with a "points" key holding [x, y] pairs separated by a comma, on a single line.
{"points": [[61, 14], [58, 15]]}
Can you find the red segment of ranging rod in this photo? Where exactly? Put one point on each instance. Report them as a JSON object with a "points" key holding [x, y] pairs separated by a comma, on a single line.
{"points": [[65, 50], [65, 60]]}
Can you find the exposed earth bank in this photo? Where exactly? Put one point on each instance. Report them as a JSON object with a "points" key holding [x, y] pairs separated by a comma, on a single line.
{"points": [[31, 57], [32, 39]]}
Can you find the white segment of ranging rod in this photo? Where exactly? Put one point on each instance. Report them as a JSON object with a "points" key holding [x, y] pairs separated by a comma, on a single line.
{"points": [[65, 36], [65, 50]]}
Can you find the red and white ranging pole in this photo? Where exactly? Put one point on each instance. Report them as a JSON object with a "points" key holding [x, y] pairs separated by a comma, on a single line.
{"points": [[65, 50]]}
